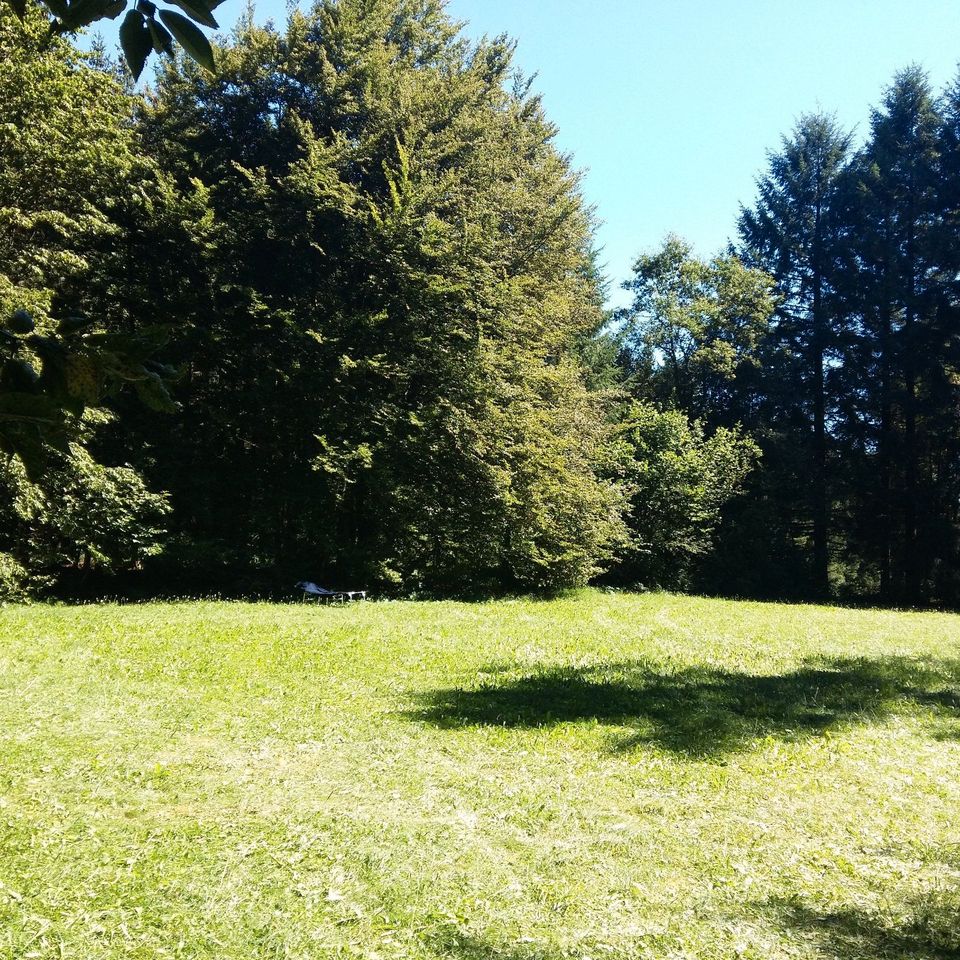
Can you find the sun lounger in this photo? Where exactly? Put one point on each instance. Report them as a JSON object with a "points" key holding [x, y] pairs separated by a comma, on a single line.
{"points": [[321, 593]]}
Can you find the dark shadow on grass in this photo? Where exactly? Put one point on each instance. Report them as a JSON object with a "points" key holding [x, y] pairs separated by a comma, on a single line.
{"points": [[929, 930], [701, 711], [459, 945]]}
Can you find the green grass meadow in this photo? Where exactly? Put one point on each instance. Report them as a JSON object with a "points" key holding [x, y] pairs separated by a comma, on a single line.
{"points": [[600, 776]]}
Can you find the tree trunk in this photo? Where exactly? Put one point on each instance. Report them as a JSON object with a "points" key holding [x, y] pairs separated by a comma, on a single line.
{"points": [[821, 513], [886, 504], [911, 559]]}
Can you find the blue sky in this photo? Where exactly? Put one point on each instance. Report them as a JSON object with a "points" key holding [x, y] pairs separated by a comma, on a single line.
{"points": [[671, 105]]}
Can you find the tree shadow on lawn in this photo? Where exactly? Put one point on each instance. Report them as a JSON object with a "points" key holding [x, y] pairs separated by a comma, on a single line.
{"points": [[928, 931], [702, 711], [463, 946], [925, 930]]}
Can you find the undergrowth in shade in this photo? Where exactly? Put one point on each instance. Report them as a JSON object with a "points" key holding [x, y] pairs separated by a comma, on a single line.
{"points": [[600, 775]]}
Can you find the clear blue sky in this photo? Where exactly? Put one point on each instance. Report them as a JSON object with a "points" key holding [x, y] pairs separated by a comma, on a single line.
{"points": [[671, 105]]}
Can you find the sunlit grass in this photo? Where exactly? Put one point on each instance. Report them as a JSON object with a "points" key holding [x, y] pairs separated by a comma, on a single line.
{"points": [[598, 776]]}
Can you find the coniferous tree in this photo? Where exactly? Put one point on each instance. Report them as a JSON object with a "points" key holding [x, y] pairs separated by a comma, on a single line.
{"points": [[945, 335], [896, 237], [792, 233]]}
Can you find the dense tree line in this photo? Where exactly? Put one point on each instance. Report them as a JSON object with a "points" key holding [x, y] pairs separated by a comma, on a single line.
{"points": [[864, 248], [355, 259], [384, 307], [852, 390]]}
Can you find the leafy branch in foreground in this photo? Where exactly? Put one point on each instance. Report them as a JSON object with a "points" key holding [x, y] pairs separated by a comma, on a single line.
{"points": [[76, 196], [145, 29], [48, 379]]}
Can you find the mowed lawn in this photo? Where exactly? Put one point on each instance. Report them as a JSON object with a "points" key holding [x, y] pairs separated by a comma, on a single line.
{"points": [[599, 776]]}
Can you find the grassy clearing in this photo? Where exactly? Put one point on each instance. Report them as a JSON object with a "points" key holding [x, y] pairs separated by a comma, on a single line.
{"points": [[593, 777]]}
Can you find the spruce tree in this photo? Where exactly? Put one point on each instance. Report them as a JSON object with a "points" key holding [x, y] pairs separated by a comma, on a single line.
{"points": [[897, 242], [945, 333], [792, 234]]}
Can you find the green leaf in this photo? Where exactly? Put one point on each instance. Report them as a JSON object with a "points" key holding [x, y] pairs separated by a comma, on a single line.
{"points": [[74, 323], [49, 349], [135, 41], [114, 10], [58, 8], [28, 445], [133, 348], [29, 407], [153, 394], [163, 370], [80, 13], [162, 41], [84, 379], [18, 375], [21, 322], [198, 10], [190, 37]]}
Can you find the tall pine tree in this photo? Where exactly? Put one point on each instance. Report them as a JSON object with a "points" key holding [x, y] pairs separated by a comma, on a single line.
{"points": [[792, 234], [896, 235]]}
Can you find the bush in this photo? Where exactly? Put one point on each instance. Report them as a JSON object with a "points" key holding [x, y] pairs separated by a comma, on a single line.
{"points": [[679, 481], [84, 516], [14, 580]]}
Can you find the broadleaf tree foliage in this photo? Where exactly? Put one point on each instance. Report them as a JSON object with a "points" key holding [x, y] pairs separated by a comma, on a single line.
{"points": [[81, 206], [73, 186], [392, 303], [679, 476], [360, 251], [49, 375], [690, 350]]}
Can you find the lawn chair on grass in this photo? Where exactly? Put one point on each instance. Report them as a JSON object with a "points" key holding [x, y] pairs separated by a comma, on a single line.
{"points": [[329, 596]]}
